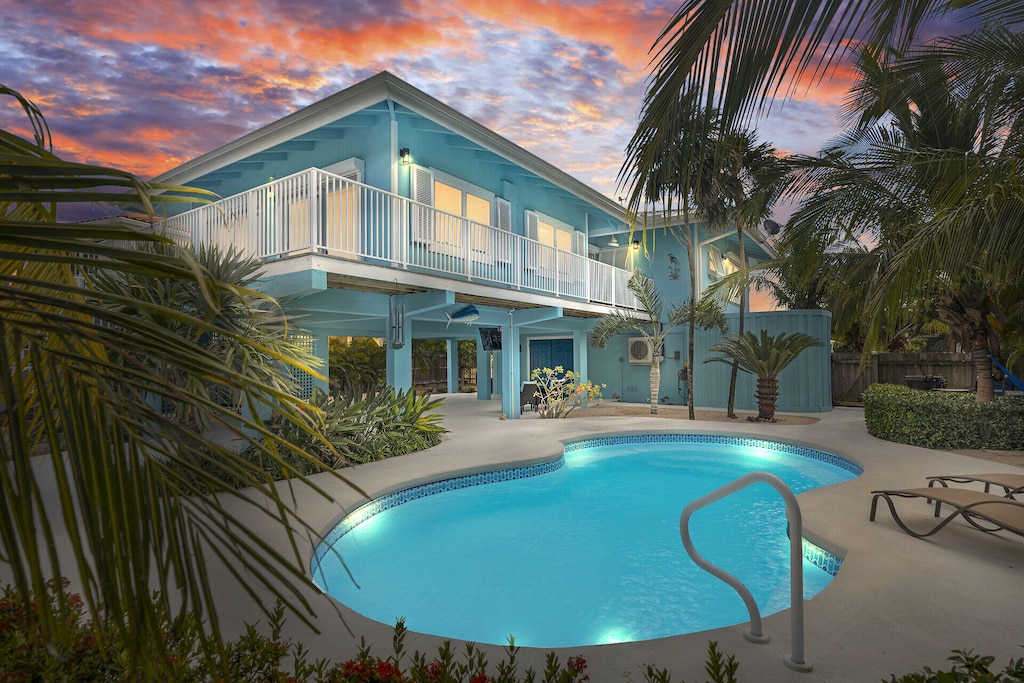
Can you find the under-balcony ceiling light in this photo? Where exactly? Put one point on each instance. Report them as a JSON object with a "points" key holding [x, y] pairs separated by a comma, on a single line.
{"points": [[613, 242], [404, 154]]}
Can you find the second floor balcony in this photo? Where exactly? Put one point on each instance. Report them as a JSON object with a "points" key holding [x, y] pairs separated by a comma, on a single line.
{"points": [[323, 214]]}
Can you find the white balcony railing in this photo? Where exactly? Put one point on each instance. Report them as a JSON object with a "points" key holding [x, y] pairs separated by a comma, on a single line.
{"points": [[318, 212]]}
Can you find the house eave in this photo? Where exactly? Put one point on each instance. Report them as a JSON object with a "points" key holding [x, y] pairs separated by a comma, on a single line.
{"points": [[381, 87]]}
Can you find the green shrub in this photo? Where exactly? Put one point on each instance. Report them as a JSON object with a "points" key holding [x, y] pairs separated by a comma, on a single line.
{"points": [[75, 648], [967, 668], [937, 419], [361, 428], [359, 361]]}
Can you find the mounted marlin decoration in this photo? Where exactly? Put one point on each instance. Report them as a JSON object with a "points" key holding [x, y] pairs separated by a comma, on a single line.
{"points": [[466, 315]]}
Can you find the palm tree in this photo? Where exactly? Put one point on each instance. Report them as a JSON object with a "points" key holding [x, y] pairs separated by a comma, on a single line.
{"points": [[765, 356], [81, 390], [672, 180], [654, 325], [745, 180], [262, 333], [738, 56], [926, 177]]}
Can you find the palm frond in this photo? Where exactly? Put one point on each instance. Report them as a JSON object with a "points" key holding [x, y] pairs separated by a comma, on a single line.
{"points": [[82, 408]]}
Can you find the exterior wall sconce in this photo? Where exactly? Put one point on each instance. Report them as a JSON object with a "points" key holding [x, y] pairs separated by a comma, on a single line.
{"points": [[636, 245], [404, 155]]}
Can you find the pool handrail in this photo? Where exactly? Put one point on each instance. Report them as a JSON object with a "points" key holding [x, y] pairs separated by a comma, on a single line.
{"points": [[796, 659]]}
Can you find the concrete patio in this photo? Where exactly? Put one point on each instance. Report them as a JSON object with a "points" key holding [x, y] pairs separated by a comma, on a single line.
{"points": [[897, 604]]}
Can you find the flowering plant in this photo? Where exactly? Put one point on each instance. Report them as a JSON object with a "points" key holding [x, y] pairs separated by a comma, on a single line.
{"points": [[560, 391]]}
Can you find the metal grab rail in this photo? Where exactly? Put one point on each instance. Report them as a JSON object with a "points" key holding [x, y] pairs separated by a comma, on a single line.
{"points": [[796, 660]]}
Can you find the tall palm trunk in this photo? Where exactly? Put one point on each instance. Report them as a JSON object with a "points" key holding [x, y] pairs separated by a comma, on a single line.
{"points": [[743, 313], [982, 367], [655, 380], [690, 351]]}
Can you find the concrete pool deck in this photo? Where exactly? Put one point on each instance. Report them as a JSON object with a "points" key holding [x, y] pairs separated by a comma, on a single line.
{"points": [[897, 604]]}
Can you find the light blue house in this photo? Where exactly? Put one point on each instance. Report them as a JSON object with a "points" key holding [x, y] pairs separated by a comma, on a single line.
{"points": [[382, 212]]}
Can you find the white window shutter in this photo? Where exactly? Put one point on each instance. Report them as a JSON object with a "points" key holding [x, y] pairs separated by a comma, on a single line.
{"points": [[504, 214], [422, 191], [579, 243], [503, 221], [532, 225]]}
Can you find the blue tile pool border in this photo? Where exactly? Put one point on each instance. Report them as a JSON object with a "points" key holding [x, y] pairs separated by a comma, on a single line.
{"points": [[818, 556], [781, 446], [390, 500]]}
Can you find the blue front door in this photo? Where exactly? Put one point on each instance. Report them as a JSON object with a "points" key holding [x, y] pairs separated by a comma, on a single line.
{"points": [[549, 353]]}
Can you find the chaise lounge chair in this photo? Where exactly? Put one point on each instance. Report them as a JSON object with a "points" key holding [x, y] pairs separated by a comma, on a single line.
{"points": [[975, 507], [1012, 484]]}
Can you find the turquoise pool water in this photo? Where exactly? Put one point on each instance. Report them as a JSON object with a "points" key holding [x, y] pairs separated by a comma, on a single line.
{"points": [[581, 551]]}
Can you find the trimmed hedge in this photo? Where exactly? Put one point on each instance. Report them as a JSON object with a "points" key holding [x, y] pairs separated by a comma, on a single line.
{"points": [[936, 419]]}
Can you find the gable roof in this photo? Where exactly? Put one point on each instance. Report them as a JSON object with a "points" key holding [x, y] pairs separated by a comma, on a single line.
{"points": [[381, 87]]}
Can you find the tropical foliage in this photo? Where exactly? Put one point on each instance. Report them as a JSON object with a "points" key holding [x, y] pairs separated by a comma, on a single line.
{"points": [[926, 180], [738, 57], [357, 361], [560, 391], [253, 331], [356, 427], [257, 655], [654, 325], [764, 356], [82, 407], [740, 188], [934, 154], [666, 184]]}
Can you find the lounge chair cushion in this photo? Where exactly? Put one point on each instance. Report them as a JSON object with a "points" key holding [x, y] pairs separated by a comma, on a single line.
{"points": [[1012, 484]]}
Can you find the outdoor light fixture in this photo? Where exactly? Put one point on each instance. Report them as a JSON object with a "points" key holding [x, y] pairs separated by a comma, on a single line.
{"points": [[404, 154], [636, 245], [612, 243]]}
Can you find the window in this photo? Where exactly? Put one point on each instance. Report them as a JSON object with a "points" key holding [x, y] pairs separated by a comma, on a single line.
{"points": [[469, 206], [340, 230], [555, 233], [719, 266], [715, 267]]}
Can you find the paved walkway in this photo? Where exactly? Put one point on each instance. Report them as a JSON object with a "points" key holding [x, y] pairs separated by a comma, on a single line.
{"points": [[898, 603]]}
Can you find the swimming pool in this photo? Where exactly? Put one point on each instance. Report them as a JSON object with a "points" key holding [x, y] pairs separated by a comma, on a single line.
{"points": [[583, 549]]}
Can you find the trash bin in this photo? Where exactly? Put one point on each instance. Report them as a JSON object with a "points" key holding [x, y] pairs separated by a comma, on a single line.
{"points": [[926, 382], [917, 382]]}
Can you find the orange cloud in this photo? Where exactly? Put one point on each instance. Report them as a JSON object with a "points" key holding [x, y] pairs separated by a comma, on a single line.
{"points": [[625, 26]]}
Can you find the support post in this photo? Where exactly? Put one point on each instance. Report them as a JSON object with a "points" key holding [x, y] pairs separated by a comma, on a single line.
{"points": [[483, 372], [510, 371], [453, 365]]}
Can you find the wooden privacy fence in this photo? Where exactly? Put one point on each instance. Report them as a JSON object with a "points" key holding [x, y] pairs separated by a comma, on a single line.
{"points": [[850, 378]]}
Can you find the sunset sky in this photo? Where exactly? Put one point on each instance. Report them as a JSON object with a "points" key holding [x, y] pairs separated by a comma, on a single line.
{"points": [[146, 85]]}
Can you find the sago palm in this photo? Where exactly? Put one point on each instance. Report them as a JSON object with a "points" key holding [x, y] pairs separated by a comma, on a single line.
{"points": [[653, 324], [765, 356], [81, 412]]}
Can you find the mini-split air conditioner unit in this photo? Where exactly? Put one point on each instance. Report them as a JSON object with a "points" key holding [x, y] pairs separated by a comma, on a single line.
{"points": [[640, 351]]}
